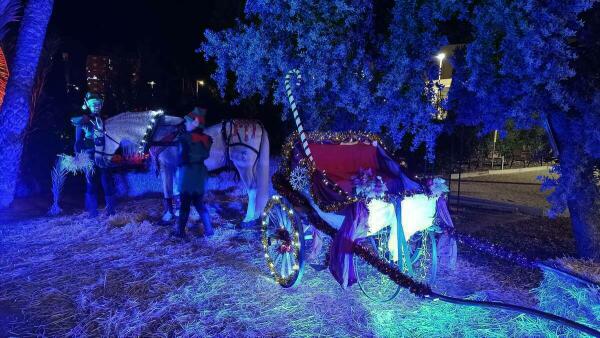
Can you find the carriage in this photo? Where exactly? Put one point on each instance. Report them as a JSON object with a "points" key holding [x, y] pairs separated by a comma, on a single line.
{"points": [[351, 189], [386, 228]]}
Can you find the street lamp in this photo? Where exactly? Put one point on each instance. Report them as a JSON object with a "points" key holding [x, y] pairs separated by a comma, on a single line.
{"points": [[199, 83], [440, 57], [152, 84], [440, 114]]}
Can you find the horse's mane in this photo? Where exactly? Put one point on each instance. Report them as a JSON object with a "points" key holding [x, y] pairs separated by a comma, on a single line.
{"points": [[130, 118]]}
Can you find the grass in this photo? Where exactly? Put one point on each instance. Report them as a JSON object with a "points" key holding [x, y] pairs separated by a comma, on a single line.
{"points": [[125, 276]]}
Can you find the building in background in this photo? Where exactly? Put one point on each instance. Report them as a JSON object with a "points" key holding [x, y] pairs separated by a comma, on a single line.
{"points": [[98, 71]]}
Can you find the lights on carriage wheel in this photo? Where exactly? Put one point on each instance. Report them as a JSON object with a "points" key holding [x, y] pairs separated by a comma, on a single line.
{"points": [[280, 279]]}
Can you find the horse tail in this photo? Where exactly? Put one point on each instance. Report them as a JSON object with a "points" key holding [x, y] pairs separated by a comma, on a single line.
{"points": [[262, 173], [300, 128]]}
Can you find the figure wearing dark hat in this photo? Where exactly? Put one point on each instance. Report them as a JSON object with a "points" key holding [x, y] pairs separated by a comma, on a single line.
{"points": [[193, 149], [89, 134]]}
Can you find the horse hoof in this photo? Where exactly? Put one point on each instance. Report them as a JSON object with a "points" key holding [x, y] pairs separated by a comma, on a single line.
{"points": [[167, 217]]}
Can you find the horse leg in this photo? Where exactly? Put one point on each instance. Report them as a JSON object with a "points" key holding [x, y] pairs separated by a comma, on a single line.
{"points": [[166, 173], [263, 177], [247, 177]]}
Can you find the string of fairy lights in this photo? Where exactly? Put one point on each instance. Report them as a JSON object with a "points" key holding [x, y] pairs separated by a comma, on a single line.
{"points": [[277, 202], [155, 116]]}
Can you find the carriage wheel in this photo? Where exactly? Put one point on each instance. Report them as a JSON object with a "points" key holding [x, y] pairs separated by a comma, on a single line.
{"points": [[283, 244], [373, 283], [424, 258]]}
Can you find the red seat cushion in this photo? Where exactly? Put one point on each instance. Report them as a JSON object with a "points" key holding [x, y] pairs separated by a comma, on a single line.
{"points": [[341, 162]]}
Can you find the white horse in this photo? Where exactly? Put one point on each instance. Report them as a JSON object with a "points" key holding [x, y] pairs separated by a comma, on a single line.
{"points": [[243, 143]]}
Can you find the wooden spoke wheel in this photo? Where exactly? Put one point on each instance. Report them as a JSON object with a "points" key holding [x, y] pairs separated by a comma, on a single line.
{"points": [[283, 240], [373, 283]]}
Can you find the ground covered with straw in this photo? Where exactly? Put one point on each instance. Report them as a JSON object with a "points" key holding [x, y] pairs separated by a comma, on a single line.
{"points": [[125, 276]]}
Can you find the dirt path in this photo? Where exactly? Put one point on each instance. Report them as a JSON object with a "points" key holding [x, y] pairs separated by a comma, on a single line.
{"points": [[519, 188]]}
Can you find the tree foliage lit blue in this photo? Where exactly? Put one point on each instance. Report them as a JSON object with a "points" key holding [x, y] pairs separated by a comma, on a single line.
{"points": [[353, 74], [361, 76], [520, 68]]}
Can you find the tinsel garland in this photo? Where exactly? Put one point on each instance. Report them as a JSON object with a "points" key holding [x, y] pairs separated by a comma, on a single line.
{"points": [[282, 186], [495, 250], [336, 138]]}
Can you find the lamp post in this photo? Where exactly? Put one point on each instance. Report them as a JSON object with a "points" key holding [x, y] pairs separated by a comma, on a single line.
{"points": [[440, 57]]}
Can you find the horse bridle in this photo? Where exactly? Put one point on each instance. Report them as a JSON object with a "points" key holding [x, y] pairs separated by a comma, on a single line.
{"points": [[104, 135]]}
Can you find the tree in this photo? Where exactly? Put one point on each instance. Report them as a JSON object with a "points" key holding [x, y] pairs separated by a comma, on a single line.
{"points": [[353, 69], [365, 75], [15, 111], [519, 71]]}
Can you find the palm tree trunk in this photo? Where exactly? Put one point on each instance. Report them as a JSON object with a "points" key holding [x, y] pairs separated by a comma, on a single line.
{"points": [[16, 108]]}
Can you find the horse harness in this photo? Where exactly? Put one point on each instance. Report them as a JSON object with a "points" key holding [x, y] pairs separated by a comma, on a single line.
{"points": [[229, 140], [234, 127], [99, 127]]}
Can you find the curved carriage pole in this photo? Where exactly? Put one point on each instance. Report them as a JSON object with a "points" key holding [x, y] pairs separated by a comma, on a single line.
{"points": [[395, 274], [291, 99]]}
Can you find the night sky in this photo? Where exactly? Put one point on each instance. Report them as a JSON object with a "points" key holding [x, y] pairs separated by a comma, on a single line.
{"points": [[111, 24], [163, 34]]}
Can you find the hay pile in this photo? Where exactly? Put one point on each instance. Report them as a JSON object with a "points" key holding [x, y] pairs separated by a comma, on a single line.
{"points": [[124, 276], [569, 299]]}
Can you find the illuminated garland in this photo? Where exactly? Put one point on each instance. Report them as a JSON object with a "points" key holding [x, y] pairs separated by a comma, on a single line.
{"points": [[420, 289], [289, 280], [155, 116], [337, 138], [495, 250]]}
